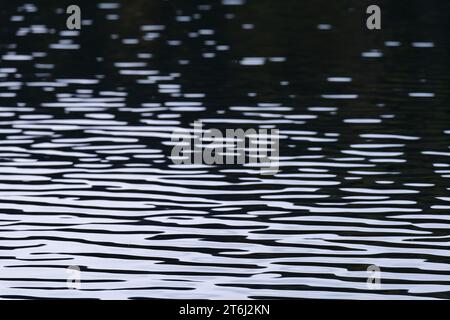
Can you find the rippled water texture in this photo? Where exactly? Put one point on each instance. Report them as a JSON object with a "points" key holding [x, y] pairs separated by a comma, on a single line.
{"points": [[85, 124]]}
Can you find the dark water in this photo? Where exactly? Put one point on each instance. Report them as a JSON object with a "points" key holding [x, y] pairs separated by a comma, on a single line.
{"points": [[85, 124]]}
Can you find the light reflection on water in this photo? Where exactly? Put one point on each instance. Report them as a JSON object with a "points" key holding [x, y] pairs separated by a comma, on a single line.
{"points": [[86, 117]]}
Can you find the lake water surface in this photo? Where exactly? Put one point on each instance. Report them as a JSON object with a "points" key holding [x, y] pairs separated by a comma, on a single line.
{"points": [[85, 175]]}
